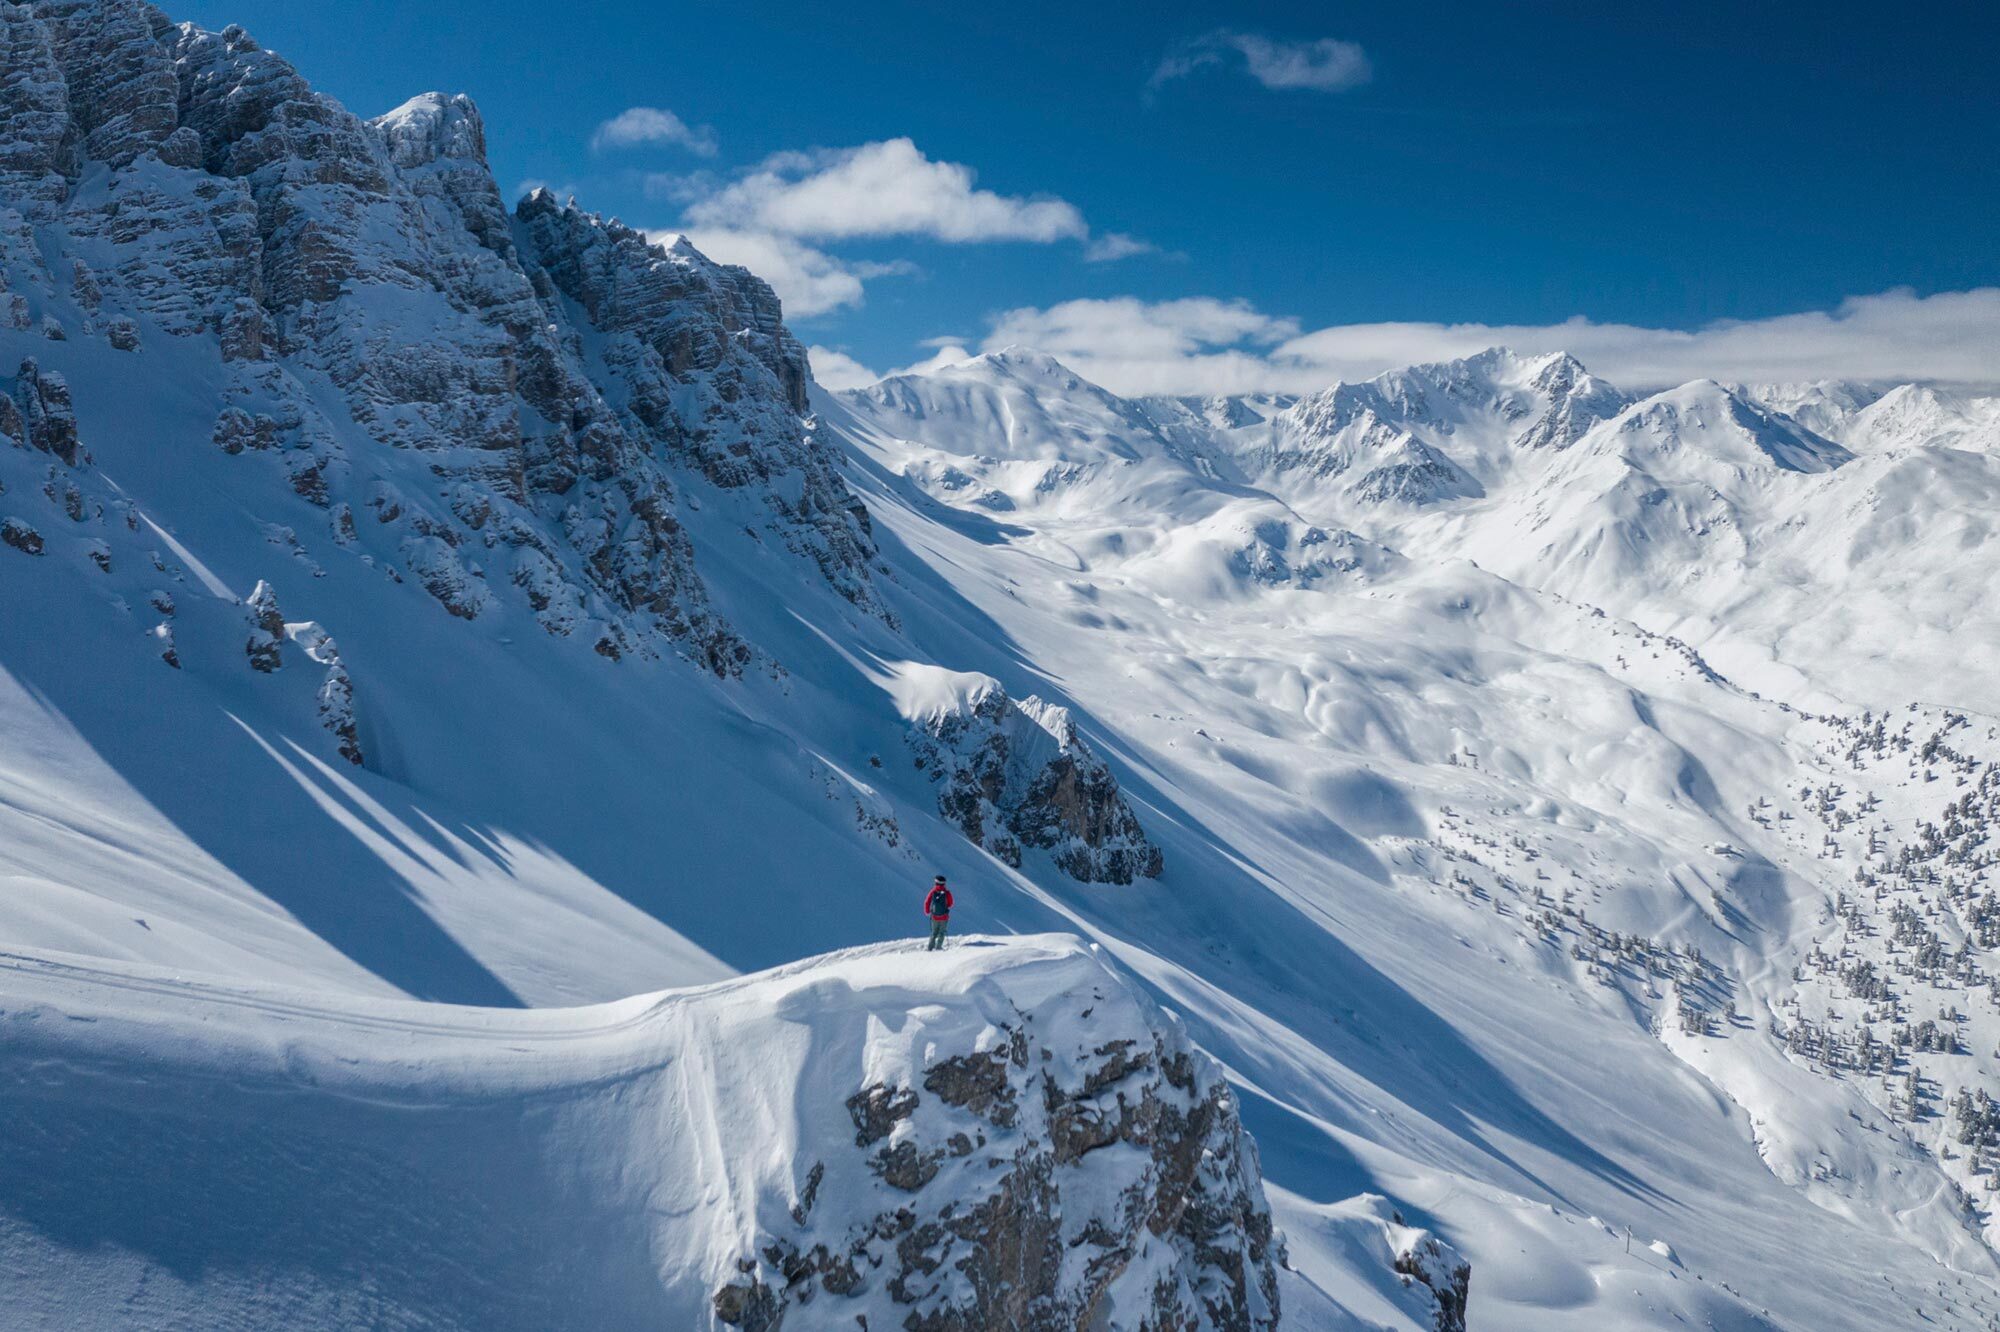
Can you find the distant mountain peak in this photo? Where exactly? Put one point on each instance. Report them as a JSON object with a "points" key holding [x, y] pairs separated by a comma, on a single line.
{"points": [[1724, 423], [1018, 360]]}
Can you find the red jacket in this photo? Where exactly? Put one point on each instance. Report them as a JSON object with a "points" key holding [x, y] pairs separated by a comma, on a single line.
{"points": [[943, 908]]}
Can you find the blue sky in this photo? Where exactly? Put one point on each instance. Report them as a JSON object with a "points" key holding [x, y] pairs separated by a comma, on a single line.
{"points": [[1295, 191]]}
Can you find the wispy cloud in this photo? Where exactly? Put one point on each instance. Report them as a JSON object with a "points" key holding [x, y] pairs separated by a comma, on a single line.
{"points": [[1323, 65], [1111, 246], [1131, 337], [837, 370], [1200, 345], [678, 187], [639, 125]]}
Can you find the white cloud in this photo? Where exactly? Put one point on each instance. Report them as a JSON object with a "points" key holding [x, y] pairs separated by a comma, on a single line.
{"points": [[637, 125], [808, 281], [837, 370], [949, 353], [775, 217], [1129, 329], [887, 188], [1114, 245], [1893, 335], [1327, 65], [765, 219], [1201, 345], [1324, 65]]}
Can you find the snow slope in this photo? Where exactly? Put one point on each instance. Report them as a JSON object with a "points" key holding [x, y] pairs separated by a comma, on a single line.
{"points": [[195, 1152], [1463, 775], [1475, 761]]}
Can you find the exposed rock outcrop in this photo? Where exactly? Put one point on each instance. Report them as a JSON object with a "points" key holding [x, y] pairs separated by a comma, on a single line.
{"points": [[557, 374], [262, 645], [45, 419], [1080, 1157], [21, 535], [707, 370], [1427, 1262], [335, 697], [1014, 775]]}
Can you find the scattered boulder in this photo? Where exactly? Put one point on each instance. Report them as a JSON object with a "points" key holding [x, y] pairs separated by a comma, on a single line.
{"points": [[163, 636], [21, 536], [236, 430], [876, 1110], [436, 564], [309, 481]]}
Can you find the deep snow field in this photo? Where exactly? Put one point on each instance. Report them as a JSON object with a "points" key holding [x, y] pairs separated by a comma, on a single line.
{"points": [[1573, 806], [1372, 789]]}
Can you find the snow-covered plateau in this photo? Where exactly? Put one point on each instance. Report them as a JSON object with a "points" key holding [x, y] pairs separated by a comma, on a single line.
{"points": [[1479, 847]]}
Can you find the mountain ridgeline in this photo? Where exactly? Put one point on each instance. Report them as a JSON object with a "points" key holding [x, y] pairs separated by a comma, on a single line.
{"points": [[361, 283], [472, 709], [1762, 522]]}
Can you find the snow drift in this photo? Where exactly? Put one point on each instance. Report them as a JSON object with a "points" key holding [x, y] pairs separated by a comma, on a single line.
{"points": [[1005, 1134]]}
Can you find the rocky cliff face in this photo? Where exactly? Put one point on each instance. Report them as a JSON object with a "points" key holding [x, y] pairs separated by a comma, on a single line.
{"points": [[362, 284], [1078, 1165], [1007, 1135], [1016, 774]]}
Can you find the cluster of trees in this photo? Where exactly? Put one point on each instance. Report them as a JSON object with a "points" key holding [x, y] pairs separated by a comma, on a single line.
{"points": [[1702, 991], [1921, 916]]}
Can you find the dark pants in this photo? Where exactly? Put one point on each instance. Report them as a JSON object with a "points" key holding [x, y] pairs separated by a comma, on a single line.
{"points": [[937, 933]]}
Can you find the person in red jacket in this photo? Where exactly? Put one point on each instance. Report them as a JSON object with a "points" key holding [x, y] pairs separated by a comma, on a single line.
{"points": [[937, 905]]}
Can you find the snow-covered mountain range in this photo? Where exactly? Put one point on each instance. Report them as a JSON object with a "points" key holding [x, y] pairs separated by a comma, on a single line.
{"points": [[1474, 847]]}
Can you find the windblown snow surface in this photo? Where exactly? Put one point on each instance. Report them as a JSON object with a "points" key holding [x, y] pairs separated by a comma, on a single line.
{"points": [[1572, 809]]}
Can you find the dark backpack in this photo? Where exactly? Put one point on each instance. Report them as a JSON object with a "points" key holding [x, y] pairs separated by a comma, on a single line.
{"points": [[939, 902]]}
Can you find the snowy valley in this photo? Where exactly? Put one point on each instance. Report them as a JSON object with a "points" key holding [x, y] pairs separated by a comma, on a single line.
{"points": [[1475, 847]]}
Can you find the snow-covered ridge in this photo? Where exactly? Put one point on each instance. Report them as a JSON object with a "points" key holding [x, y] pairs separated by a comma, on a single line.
{"points": [[1680, 508], [1546, 842], [1026, 1141]]}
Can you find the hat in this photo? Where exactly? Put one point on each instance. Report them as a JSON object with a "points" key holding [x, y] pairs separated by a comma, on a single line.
{"points": [[939, 879]]}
